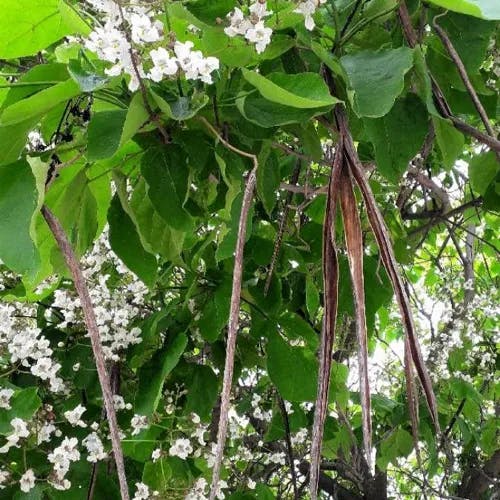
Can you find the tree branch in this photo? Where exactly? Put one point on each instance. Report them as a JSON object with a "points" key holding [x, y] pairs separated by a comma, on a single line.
{"points": [[463, 75], [234, 312], [95, 340], [443, 107]]}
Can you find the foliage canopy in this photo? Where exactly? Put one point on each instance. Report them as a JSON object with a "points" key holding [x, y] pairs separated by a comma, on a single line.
{"points": [[169, 179]]}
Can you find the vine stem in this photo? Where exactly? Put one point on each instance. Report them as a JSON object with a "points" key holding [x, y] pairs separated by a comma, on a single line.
{"points": [[93, 330], [234, 310]]}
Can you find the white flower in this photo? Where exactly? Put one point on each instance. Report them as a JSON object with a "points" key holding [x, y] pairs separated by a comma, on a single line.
{"points": [[74, 417], [138, 423], [5, 395], [299, 437], [143, 30], [163, 64], [198, 490], [251, 484], [142, 492], [94, 447], [43, 368], [307, 9], [4, 476], [218, 491], [238, 23], [118, 402], [63, 455], [44, 433], [260, 36], [20, 430], [156, 454], [181, 448], [27, 481], [259, 9], [205, 68]]}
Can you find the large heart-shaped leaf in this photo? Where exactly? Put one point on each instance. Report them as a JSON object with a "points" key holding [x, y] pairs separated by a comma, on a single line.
{"points": [[302, 90], [376, 79]]}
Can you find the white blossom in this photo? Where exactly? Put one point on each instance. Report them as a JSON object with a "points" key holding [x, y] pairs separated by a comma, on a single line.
{"points": [[20, 430], [142, 492], [155, 456], [307, 9], [181, 448], [5, 395], [260, 36], [27, 481], [95, 448], [74, 417], [63, 455], [138, 423], [164, 64]]}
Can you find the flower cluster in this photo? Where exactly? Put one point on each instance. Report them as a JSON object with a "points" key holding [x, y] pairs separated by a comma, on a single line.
{"points": [[116, 307], [27, 346], [307, 9], [61, 459], [252, 26], [123, 41]]}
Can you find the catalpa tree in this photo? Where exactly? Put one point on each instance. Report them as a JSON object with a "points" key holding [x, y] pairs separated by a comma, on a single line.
{"points": [[248, 249]]}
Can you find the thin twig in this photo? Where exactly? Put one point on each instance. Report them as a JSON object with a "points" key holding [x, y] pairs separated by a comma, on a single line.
{"points": [[234, 311], [442, 105], [463, 75], [95, 340], [281, 230]]}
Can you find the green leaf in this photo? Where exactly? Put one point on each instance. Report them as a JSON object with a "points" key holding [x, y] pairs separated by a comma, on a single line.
{"points": [[269, 114], [167, 175], [28, 26], [312, 297], [156, 236], [449, 140], [24, 403], [137, 116], [104, 133], [13, 139], [36, 493], [77, 208], [167, 474], [203, 389], [296, 328], [39, 103], [141, 446], [293, 370], [268, 181], [398, 444], [398, 136], [486, 9], [216, 312], [482, 171], [376, 79], [303, 90], [183, 108], [87, 80], [152, 375], [19, 198], [126, 243]]}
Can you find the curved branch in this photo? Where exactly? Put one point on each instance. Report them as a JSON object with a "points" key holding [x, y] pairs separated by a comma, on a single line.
{"points": [[234, 311], [95, 340]]}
